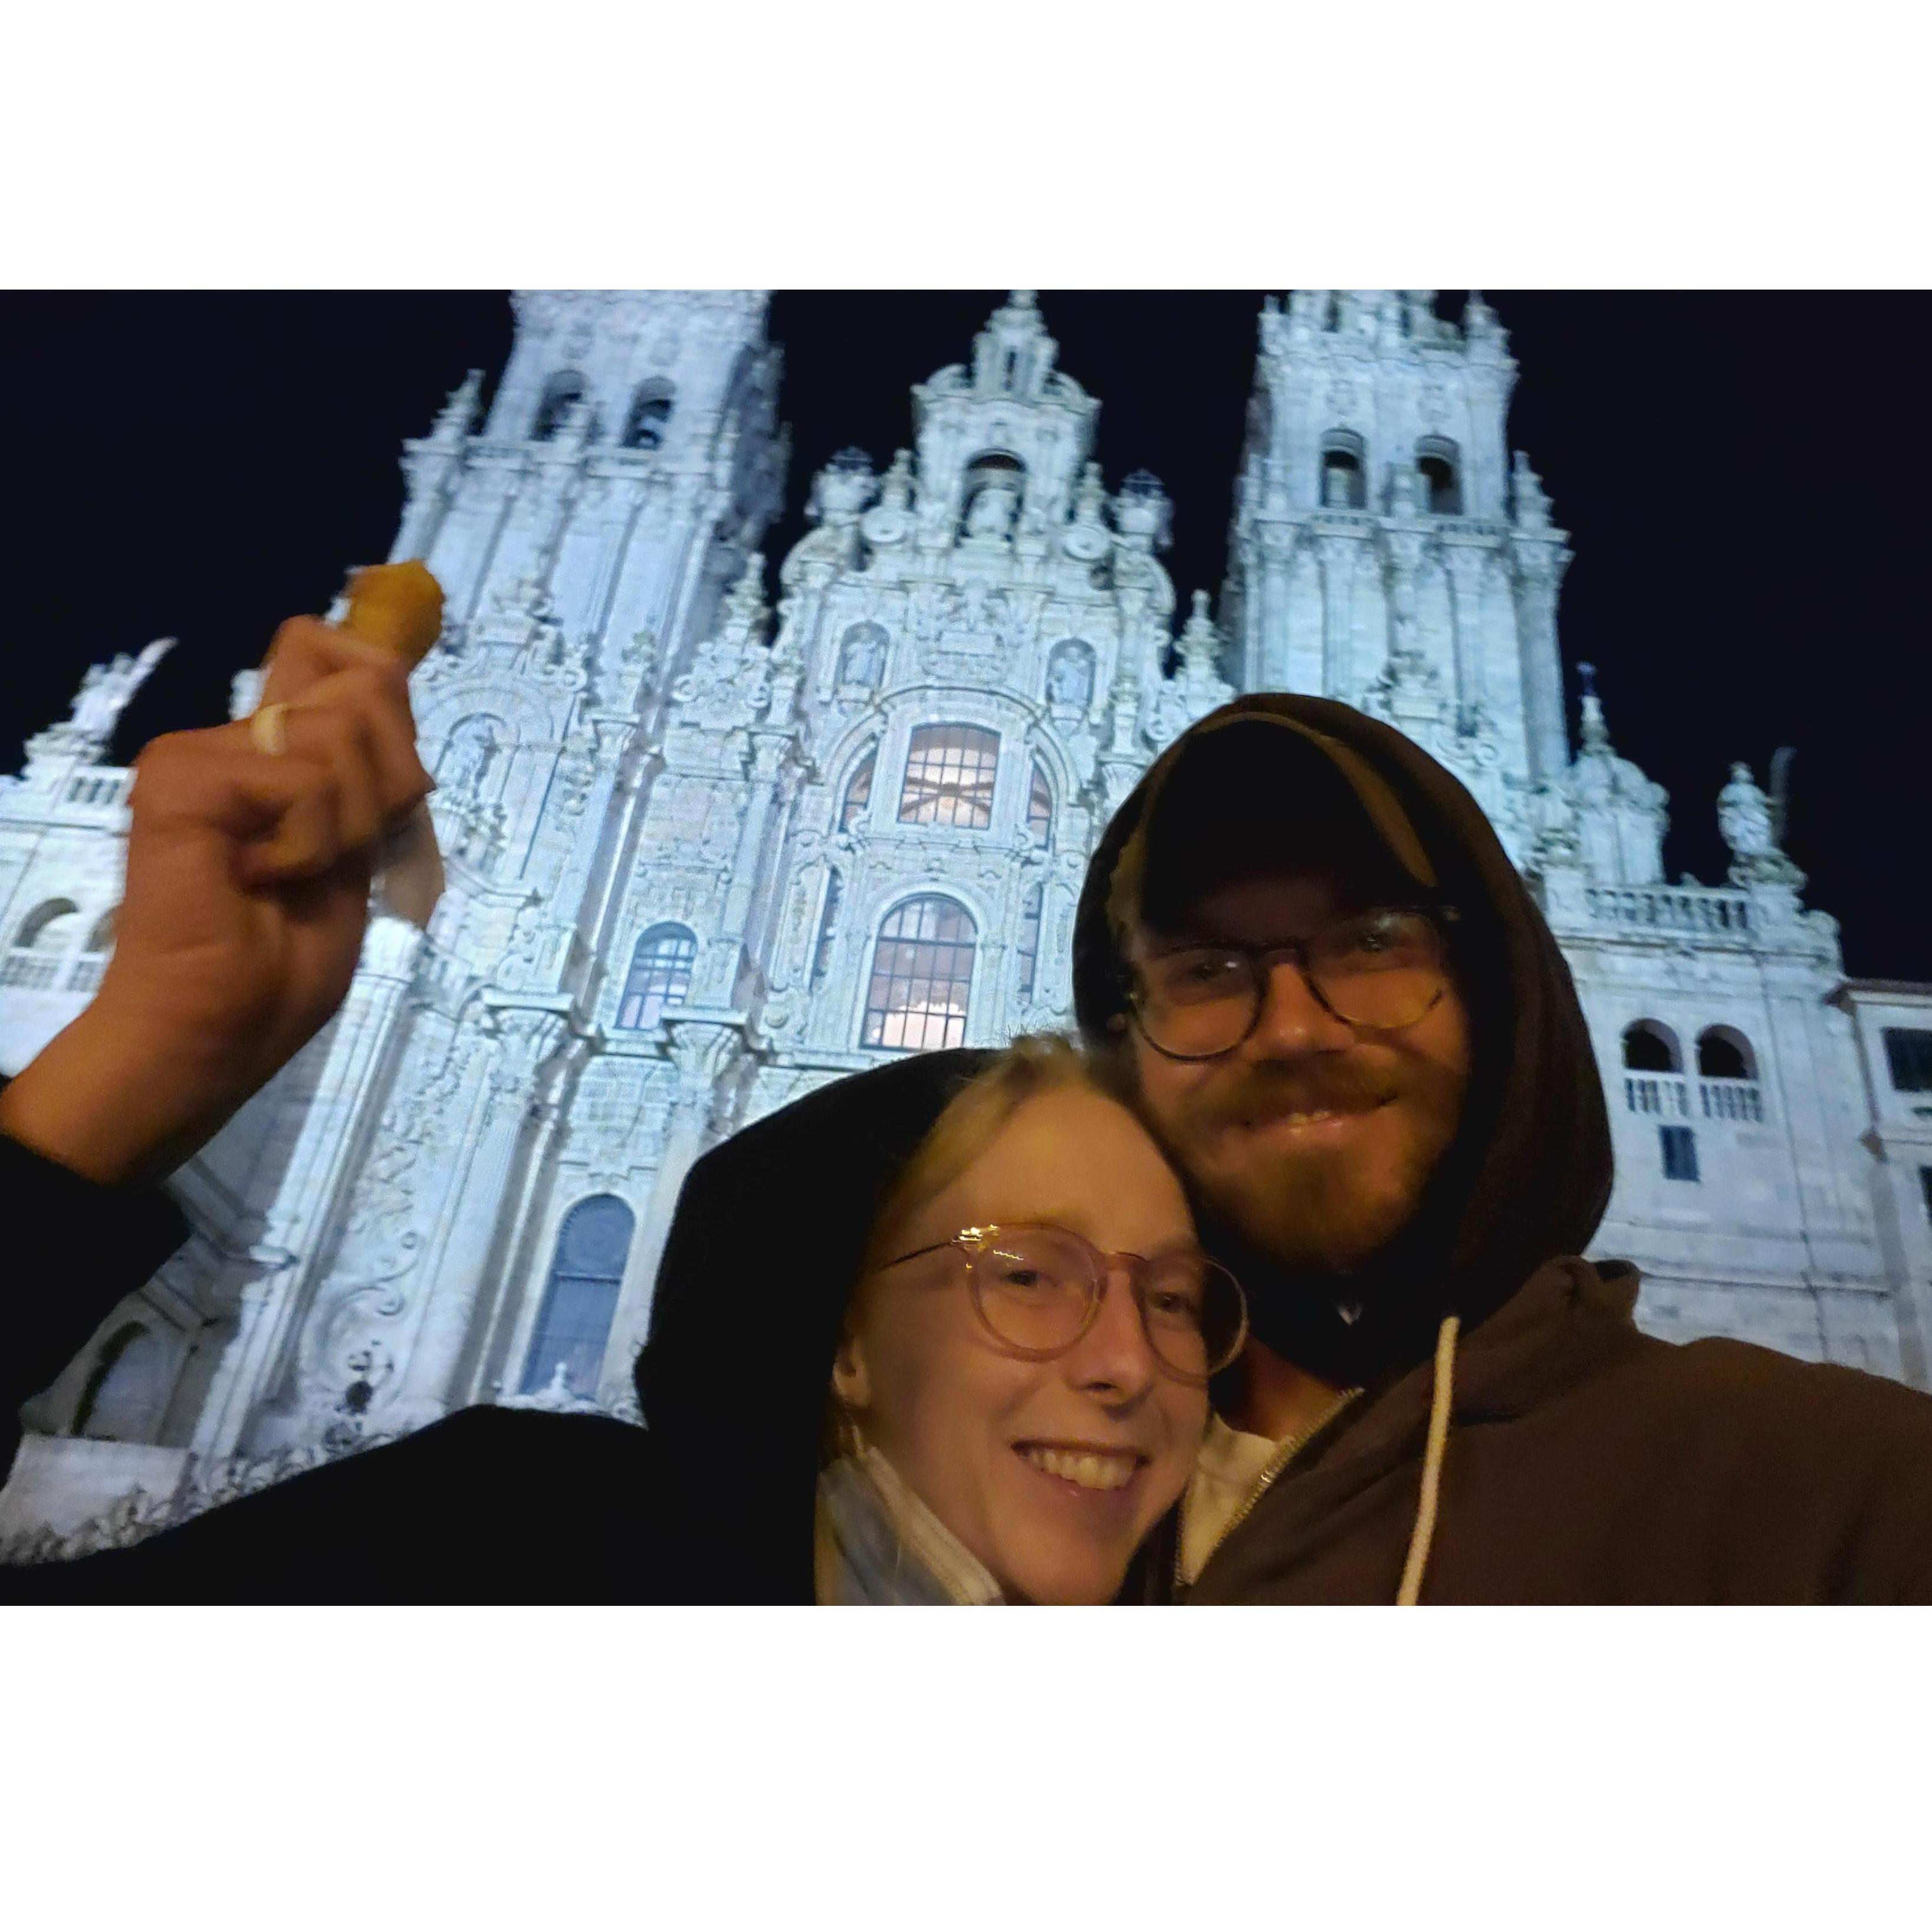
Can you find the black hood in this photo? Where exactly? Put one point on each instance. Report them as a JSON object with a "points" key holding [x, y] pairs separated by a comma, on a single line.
{"points": [[764, 1250], [1528, 1174]]}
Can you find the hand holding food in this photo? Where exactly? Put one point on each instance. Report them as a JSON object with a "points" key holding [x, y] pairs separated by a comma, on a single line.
{"points": [[250, 855]]}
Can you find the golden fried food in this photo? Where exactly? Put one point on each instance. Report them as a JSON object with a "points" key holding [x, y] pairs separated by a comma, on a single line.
{"points": [[397, 605]]}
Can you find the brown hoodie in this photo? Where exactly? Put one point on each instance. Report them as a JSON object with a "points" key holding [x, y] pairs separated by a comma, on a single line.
{"points": [[1584, 1461]]}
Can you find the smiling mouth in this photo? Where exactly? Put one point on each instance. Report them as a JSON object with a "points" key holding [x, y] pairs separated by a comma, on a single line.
{"points": [[1086, 1468], [1310, 1117]]}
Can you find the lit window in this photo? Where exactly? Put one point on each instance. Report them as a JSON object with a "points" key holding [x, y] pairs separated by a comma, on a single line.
{"points": [[948, 778], [660, 975], [1909, 1050], [1039, 808], [858, 792], [573, 1327], [1680, 1154], [1027, 947], [921, 974]]}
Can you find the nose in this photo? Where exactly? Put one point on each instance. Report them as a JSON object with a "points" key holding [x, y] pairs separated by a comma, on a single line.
{"points": [[1113, 1361], [1293, 1021]]}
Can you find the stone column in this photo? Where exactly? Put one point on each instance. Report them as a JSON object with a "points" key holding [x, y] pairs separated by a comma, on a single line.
{"points": [[1338, 557], [1539, 572], [1465, 566], [525, 1040]]}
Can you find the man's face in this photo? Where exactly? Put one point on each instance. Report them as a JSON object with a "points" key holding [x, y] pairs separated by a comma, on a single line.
{"points": [[1313, 1138]]}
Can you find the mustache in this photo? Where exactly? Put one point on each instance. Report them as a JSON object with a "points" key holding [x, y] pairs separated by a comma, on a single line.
{"points": [[1341, 1086]]}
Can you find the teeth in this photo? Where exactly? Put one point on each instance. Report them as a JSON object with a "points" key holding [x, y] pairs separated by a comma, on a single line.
{"points": [[1084, 1469]]}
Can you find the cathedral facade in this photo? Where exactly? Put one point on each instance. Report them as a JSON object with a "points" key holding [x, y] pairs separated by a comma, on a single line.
{"points": [[702, 856]]}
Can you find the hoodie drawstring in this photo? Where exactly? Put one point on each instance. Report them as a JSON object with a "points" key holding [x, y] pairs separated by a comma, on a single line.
{"points": [[1423, 1533]]}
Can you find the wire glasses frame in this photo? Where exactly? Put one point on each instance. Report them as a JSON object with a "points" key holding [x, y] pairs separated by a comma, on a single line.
{"points": [[1382, 969], [1036, 1289]]}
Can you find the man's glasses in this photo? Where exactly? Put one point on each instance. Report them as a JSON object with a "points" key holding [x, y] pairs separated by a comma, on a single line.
{"points": [[1382, 969], [1037, 1290]]}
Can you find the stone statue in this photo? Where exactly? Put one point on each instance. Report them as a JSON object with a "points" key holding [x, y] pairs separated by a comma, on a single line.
{"points": [[864, 658], [1744, 818], [1069, 678], [105, 689], [991, 513]]}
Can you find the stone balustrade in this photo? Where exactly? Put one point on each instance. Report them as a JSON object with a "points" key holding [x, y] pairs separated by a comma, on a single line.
{"points": [[1667, 1096], [1694, 909]]}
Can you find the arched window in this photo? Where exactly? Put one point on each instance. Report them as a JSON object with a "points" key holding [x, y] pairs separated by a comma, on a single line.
{"points": [[649, 412], [1724, 1053], [128, 1389], [949, 779], [922, 976], [1651, 1047], [1069, 674], [44, 939], [862, 655], [1026, 950], [559, 394], [1437, 458], [1040, 808], [1343, 487], [660, 975], [828, 930], [858, 792], [573, 1325]]}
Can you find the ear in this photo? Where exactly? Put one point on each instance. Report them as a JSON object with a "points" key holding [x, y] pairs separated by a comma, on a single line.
{"points": [[851, 1377]]}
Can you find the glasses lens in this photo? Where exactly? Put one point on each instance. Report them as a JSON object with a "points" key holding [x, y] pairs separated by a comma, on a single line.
{"points": [[1382, 969], [1198, 1002], [1197, 1317], [1033, 1286]]}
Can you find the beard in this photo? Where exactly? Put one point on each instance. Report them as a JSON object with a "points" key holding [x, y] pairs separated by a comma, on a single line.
{"points": [[1328, 1207]]}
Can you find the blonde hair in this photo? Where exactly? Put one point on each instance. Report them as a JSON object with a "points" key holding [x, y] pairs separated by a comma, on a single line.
{"points": [[1036, 1062]]}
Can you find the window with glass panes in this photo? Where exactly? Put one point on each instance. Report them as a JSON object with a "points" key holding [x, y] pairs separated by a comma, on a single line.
{"points": [[1680, 1154], [580, 1298], [922, 976], [949, 777], [660, 975], [1909, 1050]]}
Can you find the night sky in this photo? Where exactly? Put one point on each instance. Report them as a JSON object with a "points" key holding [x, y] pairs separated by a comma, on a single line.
{"points": [[1742, 477]]}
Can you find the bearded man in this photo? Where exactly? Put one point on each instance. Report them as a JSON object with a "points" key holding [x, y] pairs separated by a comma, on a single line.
{"points": [[1336, 1004]]}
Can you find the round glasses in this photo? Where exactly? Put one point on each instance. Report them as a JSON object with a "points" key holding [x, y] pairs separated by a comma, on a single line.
{"points": [[1382, 969], [1037, 1290]]}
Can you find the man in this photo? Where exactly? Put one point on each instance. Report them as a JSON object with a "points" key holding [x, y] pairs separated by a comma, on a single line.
{"points": [[1340, 1010], [1396, 1129]]}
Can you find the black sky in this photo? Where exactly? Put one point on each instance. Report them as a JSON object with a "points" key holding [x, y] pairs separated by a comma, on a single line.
{"points": [[1742, 476]]}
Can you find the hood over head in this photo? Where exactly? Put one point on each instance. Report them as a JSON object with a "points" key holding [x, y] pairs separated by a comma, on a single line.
{"points": [[1274, 782], [764, 1253]]}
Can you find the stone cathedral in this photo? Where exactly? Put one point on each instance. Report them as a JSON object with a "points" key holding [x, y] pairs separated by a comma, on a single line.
{"points": [[703, 856]]}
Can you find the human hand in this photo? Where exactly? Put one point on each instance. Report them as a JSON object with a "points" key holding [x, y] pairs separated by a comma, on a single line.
{"points": [[241, 922]]}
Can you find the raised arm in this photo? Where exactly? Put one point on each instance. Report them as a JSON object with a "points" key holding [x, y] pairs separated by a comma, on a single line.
{"points": [[247, 894]]}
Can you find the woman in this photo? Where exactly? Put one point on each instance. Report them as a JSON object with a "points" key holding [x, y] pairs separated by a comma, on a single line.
{"points": [[1021, 1386]]}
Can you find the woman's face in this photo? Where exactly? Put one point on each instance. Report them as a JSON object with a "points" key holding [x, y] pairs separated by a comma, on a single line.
{"points": [[970, 1428]]}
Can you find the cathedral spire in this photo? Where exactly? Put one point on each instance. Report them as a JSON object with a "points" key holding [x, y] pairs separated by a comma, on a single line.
{"points": [[1013, 353]]}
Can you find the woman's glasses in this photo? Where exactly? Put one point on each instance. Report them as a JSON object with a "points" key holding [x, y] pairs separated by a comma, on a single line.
{"points": [[1037, 1290], [1382, 969]]}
